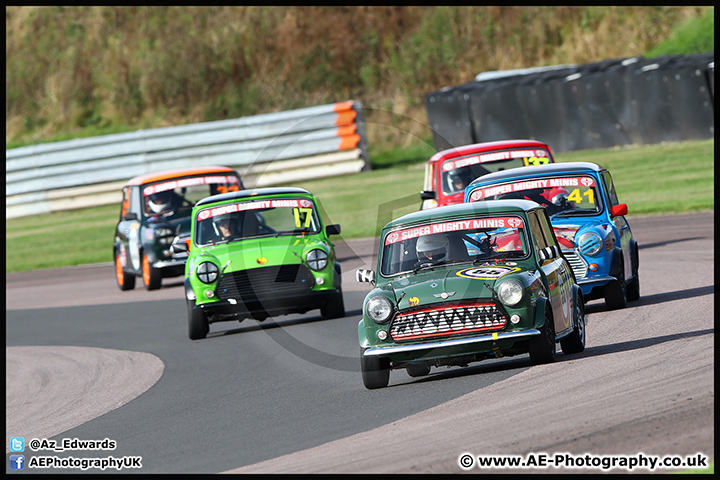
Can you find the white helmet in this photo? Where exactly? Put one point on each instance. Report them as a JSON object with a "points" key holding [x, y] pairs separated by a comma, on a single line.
{"points": [[159, 202], [435, 246], [560, 198]]}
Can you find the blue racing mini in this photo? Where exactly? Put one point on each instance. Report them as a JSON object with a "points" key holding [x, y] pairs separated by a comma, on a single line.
{"points": [[587, 218]]}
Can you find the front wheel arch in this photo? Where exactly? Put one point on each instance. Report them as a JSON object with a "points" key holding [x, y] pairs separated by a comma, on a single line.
{"points": [[375, 371], [541, 305], [615, 291], [635, 258], [542, 348], [198, 326], [124, 280], [575, 342], [633, 286], [617, 263], [152, 277]]}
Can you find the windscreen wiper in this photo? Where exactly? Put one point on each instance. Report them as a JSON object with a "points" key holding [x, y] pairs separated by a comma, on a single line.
{"points": [[568, 212], [438, 264], [489, 256]]}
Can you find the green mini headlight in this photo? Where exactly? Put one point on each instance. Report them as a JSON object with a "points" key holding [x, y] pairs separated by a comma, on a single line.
{"points": [[207, 272], [317, 259], [379, 309], [510, 292]]}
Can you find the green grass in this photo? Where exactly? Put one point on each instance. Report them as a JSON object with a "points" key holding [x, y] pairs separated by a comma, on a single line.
{"points": [[659, 179], [353, 200], [416, 153], [60, 239], [652, 180], [696, 35], [710, 469]]}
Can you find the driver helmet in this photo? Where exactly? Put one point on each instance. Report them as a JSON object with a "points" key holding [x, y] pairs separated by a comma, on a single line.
{"points": [[457, 180], [159, 202], [432, 247], [229, 220], [560, 197]]}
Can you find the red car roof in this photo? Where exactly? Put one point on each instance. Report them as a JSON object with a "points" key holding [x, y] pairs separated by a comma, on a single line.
{"points": [[176, 173], [485, 147]]}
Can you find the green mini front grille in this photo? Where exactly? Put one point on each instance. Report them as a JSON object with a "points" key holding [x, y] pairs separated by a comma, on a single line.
{"points": [[447, 321], [265, 282]]}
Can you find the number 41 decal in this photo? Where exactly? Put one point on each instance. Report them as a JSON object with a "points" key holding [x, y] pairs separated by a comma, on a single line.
{"points": [[308, 216], [575, 195]]}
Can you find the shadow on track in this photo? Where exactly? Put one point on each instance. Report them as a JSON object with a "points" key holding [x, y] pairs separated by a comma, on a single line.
{"points": [[656, 298], [669, 242], [643, 343]]}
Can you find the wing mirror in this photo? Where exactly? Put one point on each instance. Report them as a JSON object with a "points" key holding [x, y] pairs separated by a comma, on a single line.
{"points": [[179, 247], [549, 253], [333, 229], [618, 210], [365, 276], [427, 195], [130, 216]]}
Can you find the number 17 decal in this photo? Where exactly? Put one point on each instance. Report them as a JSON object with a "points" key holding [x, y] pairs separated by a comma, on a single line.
{"points": [[308, 216]]}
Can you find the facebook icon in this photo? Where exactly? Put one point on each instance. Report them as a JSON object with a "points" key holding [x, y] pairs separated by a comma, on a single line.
{"points": [[17, 462]]}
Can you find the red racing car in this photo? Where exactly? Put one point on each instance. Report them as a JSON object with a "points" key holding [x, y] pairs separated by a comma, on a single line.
{"points": [[448, 172]]}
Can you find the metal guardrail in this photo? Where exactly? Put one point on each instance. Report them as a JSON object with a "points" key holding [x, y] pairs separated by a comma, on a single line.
{"points": [[267, 149]]}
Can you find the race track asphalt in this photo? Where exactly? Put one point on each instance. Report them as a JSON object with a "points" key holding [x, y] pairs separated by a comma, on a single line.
{"points": [[87, 361]]}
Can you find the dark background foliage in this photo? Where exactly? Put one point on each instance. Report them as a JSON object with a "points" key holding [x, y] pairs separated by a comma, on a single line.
{"points": [[83, 71]]}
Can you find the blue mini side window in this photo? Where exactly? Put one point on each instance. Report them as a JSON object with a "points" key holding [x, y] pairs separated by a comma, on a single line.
{"points": [[609, 188]]}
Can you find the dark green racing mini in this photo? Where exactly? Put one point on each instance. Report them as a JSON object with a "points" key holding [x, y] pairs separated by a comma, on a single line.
{"points": [[461, 283]]}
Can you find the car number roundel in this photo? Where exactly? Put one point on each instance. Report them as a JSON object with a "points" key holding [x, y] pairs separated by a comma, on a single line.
{"points": [[566, 301], [487, 273]]}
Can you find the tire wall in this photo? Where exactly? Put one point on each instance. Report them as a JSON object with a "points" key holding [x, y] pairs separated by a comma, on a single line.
{"points": [[590, 106]]}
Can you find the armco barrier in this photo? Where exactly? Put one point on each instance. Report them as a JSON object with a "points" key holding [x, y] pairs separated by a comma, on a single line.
{"points": [[576, 107], [267, 149]]}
